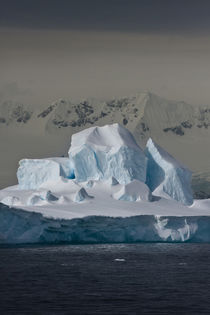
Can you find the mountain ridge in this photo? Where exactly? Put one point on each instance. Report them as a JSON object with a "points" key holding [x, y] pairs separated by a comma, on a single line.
{"points": [[180, 128]]}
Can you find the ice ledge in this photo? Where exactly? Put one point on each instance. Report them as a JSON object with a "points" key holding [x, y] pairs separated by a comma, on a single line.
{"points": [[19, 226]]}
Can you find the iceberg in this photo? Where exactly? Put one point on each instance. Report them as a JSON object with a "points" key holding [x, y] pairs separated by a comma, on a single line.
{"points": [[108, 190], [99, 153], [167, 176], [32, 173]]}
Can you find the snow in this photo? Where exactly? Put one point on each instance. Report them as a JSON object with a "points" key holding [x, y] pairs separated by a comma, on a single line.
{"points": [[11, 201], [102, 152], [166, 176], [106, 138], [105, 201], [134, 191], [33, 172], [40, 198]]}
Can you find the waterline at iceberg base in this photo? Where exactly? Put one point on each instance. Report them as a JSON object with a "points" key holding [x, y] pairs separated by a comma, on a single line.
{"points": [[107, 191], [19, 226]]}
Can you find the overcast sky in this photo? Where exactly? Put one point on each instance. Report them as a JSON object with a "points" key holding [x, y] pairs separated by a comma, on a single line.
{"points": [[72, 49]]}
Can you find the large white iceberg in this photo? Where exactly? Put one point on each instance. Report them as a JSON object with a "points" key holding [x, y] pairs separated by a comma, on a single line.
{"points": [[32, 173], [99, 195], [167, 175], [104, 152]]}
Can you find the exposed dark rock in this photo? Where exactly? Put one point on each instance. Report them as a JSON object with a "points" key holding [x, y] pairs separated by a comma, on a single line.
{"points": [[46, 111], [177, 130], [60, 123], [21, 116], [125, 121], [103, 114], [144, 127], [2, 120], [118, 103], [200, 195], [186, 124], [205, 125]]}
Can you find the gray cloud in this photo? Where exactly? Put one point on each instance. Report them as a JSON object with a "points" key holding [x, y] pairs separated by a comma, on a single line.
{"points": [[117, 15], [65, 48]]}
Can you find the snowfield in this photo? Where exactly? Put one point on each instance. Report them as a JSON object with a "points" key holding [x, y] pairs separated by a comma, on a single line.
{"points": [[108, 190]]}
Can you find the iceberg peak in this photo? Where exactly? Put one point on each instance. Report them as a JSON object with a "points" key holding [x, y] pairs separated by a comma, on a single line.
{"points": [[105, 138], [165, 175], [110, 151]]}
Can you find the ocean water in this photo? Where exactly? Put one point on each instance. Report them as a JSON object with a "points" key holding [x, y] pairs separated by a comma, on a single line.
{"points": [[105, 279]]}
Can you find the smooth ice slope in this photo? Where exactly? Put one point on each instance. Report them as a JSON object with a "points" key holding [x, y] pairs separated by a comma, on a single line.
{"points": [[34, 172], [165, 174], [102, 152]]}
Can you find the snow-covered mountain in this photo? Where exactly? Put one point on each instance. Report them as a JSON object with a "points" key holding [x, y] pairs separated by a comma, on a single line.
{"points": [[180, 128]]}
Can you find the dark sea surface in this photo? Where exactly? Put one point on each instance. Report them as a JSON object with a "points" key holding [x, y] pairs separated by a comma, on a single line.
{"points": [[105, 279]]}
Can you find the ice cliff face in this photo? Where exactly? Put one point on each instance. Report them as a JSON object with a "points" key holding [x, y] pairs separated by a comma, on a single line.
{"points": [[165, 174], [19, 226], [99, 153], [32, 173]]}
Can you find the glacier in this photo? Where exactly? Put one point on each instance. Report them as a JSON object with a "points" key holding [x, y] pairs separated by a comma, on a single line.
{"points": [[110, 151], [32, 173], [166, 175], [107, 190]]}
